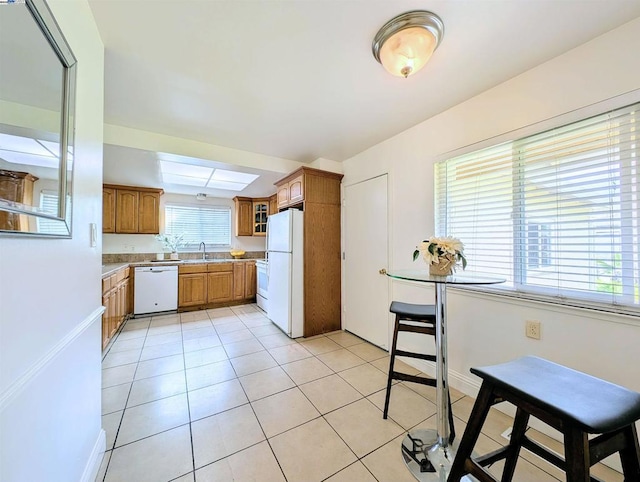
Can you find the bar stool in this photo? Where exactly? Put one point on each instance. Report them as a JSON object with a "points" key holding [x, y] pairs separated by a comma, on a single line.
{"points": [[415, 319], [572, 402]]}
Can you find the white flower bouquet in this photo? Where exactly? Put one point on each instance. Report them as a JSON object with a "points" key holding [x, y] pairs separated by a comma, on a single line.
{"points": [[171, 241], [445, 252]]}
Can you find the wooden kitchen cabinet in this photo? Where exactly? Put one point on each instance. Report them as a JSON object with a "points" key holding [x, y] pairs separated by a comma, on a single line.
{"points": [[244, 216], [309, 186], [16, 186], [118, 302], [108, 210], [260, 214], [273, 204], [239, 281], [203, 285], [252, 215], [192, 285], [130, 209], [192, 289], [219, 287], [317, 193], [127, 203], [291, 189], [249, 279], [149, 212]]}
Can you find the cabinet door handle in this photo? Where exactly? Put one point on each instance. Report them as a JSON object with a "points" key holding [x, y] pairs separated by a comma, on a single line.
{"points": [[382, 271]]}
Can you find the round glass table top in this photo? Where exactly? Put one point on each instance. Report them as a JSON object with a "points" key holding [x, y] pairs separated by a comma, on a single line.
{"points": [[423, 276]]}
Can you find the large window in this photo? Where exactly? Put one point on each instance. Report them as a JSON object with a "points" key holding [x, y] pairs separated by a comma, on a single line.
{"points": [[556, 214], [208, 224]]}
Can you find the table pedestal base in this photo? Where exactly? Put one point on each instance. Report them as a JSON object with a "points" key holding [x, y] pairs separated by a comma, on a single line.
{"points": [[427, 460]]}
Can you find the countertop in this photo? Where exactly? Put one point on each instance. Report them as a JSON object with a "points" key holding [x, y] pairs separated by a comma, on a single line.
{"points": [[109, 269]]}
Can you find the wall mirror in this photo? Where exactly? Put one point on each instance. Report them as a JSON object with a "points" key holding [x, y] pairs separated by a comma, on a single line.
{"points": [[37, 97]]}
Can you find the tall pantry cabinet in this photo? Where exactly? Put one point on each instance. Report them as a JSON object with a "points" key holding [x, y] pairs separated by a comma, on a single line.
{"points": [[317, 194]]}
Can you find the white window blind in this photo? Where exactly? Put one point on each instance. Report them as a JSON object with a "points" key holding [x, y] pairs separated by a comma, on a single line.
{"points": [[208, 224], [49, 205], [556, 214]]}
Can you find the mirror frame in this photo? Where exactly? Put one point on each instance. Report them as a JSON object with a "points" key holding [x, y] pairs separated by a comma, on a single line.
{"points": [[46, 22]]}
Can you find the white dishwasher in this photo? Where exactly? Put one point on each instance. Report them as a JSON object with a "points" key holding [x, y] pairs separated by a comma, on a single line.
{"points": [[155, 289]]}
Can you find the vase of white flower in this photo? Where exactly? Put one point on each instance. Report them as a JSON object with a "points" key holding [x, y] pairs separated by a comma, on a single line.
{"points": [[442, 255], [171, 242]]}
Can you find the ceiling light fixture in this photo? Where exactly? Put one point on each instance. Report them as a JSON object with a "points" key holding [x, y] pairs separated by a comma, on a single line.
{"points": [[201, 196], [405, 43]]}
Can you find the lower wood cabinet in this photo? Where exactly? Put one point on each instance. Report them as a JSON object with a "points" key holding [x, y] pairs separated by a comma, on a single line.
{"points": [[117, 299], [192, 289], [204, 284], [239, 281], [250, 280], [220, 287]]}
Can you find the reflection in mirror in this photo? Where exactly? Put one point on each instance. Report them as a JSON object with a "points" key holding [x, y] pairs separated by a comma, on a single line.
{"points": [[37, 81]]}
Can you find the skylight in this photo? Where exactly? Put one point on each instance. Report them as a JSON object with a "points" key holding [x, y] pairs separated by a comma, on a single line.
{"points": [[188, 174], [28, 151]]}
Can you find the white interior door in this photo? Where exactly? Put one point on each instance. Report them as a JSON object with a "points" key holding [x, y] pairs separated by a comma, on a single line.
{"points": [[366, 253]]}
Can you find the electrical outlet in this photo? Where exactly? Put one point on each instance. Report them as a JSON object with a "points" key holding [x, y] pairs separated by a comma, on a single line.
{"points": [[532, 329]]}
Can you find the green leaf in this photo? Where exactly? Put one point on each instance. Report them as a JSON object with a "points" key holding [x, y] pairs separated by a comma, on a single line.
{"points": [[416, 253]]}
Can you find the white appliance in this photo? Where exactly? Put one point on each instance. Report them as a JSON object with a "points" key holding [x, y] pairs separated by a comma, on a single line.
{"points": [[262, 294], [155, 289], [285, 271]]}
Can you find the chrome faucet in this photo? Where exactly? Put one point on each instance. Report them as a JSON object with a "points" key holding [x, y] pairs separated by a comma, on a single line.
{"points": [[204, 250]]}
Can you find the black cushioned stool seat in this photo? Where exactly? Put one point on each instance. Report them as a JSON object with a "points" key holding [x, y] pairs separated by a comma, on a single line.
{"points": [[572, 402], [416, 319]]}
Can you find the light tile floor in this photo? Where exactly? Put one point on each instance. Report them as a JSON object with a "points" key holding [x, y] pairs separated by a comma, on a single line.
{"points": [[221, 395]]}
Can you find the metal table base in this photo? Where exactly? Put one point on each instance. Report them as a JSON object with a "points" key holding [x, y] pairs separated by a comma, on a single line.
{"points": [[429, 454]]}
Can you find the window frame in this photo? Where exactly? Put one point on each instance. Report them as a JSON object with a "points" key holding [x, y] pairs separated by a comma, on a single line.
{"points": [[592, 301], [189, 244]]}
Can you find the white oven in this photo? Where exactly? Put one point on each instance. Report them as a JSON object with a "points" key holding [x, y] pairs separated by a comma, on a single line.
{"points": [[262, 281]]}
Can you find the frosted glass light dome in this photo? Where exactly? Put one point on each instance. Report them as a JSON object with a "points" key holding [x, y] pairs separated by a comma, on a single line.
{"points": [[405, 44]]}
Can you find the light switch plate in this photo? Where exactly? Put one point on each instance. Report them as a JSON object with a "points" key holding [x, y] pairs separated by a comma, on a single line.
{"points": [[93, 237]]}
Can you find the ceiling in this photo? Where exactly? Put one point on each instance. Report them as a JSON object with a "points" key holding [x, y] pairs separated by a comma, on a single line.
{"points": [[295, 79]]}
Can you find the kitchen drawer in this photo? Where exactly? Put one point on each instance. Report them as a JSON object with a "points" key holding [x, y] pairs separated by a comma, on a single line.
{"points": [[106, 284], [127, 272], [220, 267], [113, 279], [192, 268], [120, 275]]}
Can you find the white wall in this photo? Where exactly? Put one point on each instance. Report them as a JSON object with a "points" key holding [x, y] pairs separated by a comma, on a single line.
{"points": [[147, 243], [485, 329], [50, 305]]}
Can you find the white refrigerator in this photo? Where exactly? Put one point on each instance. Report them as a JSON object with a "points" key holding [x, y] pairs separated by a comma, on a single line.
{"points": [[285, 271]]}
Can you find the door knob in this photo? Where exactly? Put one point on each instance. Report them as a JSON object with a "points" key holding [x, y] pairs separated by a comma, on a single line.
{"points": [[382, 271]]}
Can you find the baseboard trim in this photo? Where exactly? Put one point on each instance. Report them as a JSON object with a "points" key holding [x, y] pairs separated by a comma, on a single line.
{"points": [[20, 384], [95, 459]]}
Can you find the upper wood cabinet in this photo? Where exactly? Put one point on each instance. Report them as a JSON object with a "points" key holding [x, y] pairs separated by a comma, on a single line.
{"points": [[273, 204], [260, 215], [308, 185], [251, 216], [291, 190], [108, 210], [16, 186], [244, 216], [130, 210], [149, 212], [127, 206]]}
